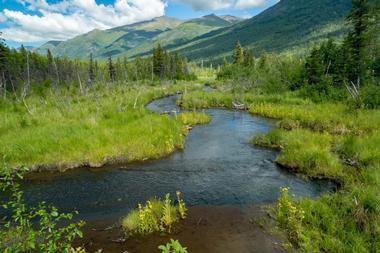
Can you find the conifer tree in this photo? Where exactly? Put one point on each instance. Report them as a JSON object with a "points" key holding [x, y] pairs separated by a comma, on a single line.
{"points": [[50, 62], [3, 56], [249, 59], [111, 69], [358, 18], [125, 65], [172, 67], [177, 66], [91, 71], [238, 54], [158, 59]]}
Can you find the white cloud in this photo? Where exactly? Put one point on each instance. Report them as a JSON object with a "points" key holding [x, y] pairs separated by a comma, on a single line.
{"points": [[208, 4], [2, 17], [68, 18], [224, 4], [246, 4]]}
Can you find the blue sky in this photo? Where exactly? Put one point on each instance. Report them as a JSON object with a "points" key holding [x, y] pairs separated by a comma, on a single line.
{"points": [[33, 22]]}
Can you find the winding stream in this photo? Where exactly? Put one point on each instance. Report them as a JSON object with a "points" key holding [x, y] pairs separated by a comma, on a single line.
{"points": [[217, 167]]}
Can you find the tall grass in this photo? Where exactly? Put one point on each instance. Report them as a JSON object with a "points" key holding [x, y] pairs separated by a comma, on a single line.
{"points": [[68, 129], [194, 118], [304, 151]]}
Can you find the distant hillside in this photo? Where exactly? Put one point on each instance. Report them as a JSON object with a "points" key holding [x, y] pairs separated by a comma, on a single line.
{"points": [[286, 25], [184, 33], [136, 39]]}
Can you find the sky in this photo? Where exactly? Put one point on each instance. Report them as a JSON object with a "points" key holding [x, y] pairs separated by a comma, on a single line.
{"points": [[34, 22]]}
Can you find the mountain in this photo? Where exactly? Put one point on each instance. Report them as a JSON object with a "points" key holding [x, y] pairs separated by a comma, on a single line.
{"points": [[287, 25], [232, 19], [51, 45], [103, 43], [183, 33], [138, 38]]}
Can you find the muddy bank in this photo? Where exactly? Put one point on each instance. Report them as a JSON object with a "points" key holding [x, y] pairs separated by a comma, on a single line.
{"points": [[207, 229]]}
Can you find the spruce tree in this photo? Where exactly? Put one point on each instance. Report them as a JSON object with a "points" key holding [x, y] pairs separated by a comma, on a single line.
{"points": [[249, 59], [91, 71], [3, 55], [158, 59], [358, 18], [111, 69], [125, 65], [238, 54], [177, 66]]}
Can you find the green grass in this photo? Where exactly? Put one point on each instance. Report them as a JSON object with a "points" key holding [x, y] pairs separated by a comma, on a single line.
{"points": [[304, 151], [194, 118], [67, 129]]}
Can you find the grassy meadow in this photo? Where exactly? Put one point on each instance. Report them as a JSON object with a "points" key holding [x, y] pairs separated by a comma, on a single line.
{"points": [[319, 140], [65, 128]]}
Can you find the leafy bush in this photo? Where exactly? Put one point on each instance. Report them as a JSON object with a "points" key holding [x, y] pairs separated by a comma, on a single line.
{"points": [[33, 229], [172, 247], [371, 96], [156, 215]]}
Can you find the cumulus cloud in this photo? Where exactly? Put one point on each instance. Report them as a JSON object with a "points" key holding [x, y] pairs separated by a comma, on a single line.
{"points": [[68, 18], [207, 5], [246, 4], [224, 4]]}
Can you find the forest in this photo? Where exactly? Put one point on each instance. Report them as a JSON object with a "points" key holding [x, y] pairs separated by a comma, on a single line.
{"points": [[262, 152]]}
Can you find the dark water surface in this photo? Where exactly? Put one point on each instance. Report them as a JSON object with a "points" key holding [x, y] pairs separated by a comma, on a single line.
{"points": [[217, 167]]}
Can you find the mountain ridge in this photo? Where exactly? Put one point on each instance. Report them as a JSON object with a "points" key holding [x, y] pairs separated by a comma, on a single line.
{"points": [[120, 40]]}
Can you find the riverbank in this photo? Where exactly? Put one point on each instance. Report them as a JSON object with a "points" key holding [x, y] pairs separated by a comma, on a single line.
{"points": [[206, 229], [108, 125], [323, 140]]}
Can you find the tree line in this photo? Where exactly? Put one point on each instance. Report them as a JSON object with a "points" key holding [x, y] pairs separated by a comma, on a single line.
{"points": [[23, 70]]}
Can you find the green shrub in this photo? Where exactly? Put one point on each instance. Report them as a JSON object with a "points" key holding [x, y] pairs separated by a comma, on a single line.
{"points": [[371, 96], [172, 247], [156, 215], [33, 229]]}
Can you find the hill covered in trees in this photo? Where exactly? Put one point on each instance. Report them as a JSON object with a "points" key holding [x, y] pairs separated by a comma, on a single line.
{"points": [[287, 25]]}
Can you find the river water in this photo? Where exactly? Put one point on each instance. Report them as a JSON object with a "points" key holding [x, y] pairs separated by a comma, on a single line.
{"points": [[217, 167]]}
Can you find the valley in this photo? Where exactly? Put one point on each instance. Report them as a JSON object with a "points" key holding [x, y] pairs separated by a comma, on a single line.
{"points": [[201, 133]]}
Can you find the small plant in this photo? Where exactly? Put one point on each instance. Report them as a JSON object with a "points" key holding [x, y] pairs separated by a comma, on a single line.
{"points": [[169, 215], [155, 216], [181, 206], [289, 215], [172, 247]]}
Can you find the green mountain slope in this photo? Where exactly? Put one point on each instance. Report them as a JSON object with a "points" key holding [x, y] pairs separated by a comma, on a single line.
{"points": [[184, 33], [103, 43], [286, 25], [137, 39]]}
